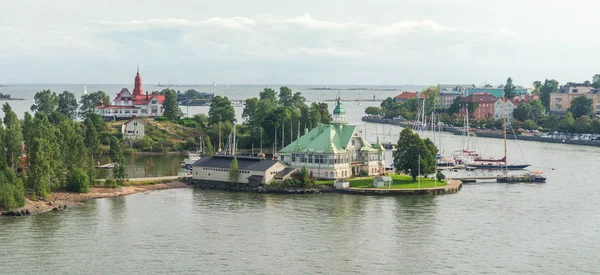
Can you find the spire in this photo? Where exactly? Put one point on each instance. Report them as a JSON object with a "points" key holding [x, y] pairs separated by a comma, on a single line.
{"points": [[339, 114], [137, 90]]}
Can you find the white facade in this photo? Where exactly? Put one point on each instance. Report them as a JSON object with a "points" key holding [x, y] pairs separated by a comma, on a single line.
{"points": [[222, 174], [499, 109], [133, 129]]}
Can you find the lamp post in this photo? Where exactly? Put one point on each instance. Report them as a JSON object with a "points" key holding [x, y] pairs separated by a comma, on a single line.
{"points": [[419, 175]]}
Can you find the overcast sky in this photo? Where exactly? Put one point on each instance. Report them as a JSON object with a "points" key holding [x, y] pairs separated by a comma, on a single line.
{"points": [[299, 42]]}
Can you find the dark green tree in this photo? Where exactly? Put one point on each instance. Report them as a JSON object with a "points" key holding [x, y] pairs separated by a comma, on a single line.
{"points": [[171, 106], [286, 97], [221, 109], [12, 137], [372, 110], [91, 140], [45, 102], [509, 89], [549, 86], [268, 94], [78, 181], [567, 123], [116, 156], [208, 147], [529, 125], [67, 104], [551, 122], [90, 101], [12, 190], [27, 127], [582, 106], [522, 112], [583, 125], [410, 149], [234, 170], [455, 107], [40, 170], [249, 113], [596, 81]]}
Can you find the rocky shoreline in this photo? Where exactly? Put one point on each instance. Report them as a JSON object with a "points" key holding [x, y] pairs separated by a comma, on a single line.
{"points": [[60, 200]]}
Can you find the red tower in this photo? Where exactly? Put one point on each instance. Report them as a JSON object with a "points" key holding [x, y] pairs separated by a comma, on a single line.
{"points": [[137, 90]]}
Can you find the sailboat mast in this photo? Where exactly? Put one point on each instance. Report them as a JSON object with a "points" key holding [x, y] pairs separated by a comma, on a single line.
{"points": [[505, 160], [219, 134]]}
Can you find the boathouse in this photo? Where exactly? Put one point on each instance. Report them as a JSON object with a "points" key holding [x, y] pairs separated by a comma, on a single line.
{"points": [[252, 169]]}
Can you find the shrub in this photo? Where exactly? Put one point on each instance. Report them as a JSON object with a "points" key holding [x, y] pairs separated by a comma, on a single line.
{"points": [[110, 183], [128, 151], [364, 173], [78, 181], [440, 176], [161, 118]]}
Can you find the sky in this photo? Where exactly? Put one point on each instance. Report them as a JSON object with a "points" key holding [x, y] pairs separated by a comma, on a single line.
{"points": [[351, 42]]}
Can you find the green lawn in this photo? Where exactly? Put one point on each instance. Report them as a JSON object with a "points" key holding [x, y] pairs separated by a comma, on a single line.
{"points": [[400, 182]]}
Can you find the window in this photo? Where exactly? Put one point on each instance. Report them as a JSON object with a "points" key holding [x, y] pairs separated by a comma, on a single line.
{"points": [[135, 123], [353, 143], [154, 101], [293, 157]]}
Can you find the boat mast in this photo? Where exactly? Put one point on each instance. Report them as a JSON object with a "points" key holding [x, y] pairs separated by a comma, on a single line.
{"points": [[505, 160], [219, 134]]}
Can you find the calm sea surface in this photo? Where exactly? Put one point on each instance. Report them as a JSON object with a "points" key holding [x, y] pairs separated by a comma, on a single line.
{"points": [[486, 228]]}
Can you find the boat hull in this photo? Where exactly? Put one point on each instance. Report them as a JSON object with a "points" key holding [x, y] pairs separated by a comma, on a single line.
{"points": [[499, 167]]}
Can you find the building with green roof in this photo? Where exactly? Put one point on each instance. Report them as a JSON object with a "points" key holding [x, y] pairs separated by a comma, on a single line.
{"points": [[334, 151]]}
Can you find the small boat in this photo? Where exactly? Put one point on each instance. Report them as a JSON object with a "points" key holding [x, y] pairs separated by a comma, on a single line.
{"points": [[190, 160], [496, 164]]}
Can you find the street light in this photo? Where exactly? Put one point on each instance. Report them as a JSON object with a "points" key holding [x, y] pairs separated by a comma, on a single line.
{"points": [[419, 175]]}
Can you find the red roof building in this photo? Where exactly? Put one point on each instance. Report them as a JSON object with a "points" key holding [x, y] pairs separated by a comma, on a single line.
{"points": [[136, 104], [404, 96], [480, 105]]}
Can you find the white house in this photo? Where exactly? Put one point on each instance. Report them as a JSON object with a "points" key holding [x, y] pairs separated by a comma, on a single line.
{"points": [[499, 109], [252, 169], [133, 129]]}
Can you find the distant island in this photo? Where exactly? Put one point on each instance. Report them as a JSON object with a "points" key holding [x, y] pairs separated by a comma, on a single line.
{"points": [[354, 89], [8, 97]]}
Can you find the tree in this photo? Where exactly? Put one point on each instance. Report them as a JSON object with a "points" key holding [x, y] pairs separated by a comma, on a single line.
{"points": [[221, 110], [323, 109], [522, 112], [455, 106], [45, 102], [71, 141], [91, 140], [582, 106], [90, 101], [596, 81], [537, 85], [583, 125], [234, 170], [27, 127], [116, 156], [67, 104], [551, 122], [529, 125], [371, 110], [40, 168], [549, 86], [12, 137], [285, 96], [410, 149], [209, 149], [431, 98], [12, 191], [595, 128], [509, 89], [567, 122], [268, 94], [250, 110], [78, 181], [171, 106]]}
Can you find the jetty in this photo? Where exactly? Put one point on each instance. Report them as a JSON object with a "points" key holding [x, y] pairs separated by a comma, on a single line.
{"points": [[106, 166], [500, 178], [452, 186]]}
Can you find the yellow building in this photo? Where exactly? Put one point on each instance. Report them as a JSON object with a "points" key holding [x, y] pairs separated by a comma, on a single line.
{"points": [[560, 102]]}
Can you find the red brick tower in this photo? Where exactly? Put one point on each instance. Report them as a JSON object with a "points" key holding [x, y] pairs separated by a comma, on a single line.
{"points": [[137, 90]]}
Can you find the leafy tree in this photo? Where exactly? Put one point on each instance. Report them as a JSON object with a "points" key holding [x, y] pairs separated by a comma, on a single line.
{"points": [[529, 125], [234, 170], [67, 104], [250, 109], [27, 127], [40, 169], [551, 122], [371, 110], [71, 141], [595, 128], [431, 98], [91, 140], [78, 181], [410, 149], [432, 149], [537, 85], [509, 89], [323, 109], [596, 81], [537, 110], [90, 101], [171, 106], [45, 102], [582, 106], [208, 147], [455, 106], [12, 137], [567, 122], [12, 191], [583, 124], [387, 104], [116, 156], [522, 112], [221, 109], [285, 97], [268, 94], [549, 86]]}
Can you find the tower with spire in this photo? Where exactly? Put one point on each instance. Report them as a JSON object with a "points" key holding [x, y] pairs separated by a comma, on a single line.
{"points": [[137, 89], [339, 114]]}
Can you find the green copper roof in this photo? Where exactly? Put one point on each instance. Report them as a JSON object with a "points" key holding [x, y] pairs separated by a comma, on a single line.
{"points": [[326, 138], [339, 109]]}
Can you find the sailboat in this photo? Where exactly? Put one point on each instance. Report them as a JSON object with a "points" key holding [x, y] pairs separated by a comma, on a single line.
{"points": [[466, 155], [85, 90], [359, 100], [498, 164]]}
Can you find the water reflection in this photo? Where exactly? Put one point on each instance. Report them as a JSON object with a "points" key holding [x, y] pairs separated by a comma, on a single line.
{"points": [[138, 166]]}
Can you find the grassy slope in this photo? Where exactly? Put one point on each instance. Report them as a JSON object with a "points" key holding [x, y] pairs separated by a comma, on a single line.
{"points": [[400, 182], [168, 131]]}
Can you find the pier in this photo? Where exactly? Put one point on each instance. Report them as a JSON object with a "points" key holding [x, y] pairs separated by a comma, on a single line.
{"points": [[452, 186], [499, 178]]}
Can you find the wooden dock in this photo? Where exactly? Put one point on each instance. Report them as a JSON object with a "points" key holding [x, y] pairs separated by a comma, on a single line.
{"points": [[499, 178], [106, 166], [451, 187]]}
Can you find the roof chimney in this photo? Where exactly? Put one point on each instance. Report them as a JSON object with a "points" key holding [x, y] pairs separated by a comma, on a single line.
{"points": [[146, 95]]}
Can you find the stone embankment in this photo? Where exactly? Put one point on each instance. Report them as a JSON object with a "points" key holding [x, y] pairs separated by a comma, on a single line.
{"points": [[251, 188], [484, 134], [451, 187]]}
